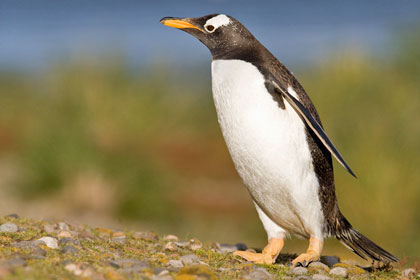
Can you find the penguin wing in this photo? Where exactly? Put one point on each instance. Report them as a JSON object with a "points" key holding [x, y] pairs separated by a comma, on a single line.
{"points": [[312, 124]]}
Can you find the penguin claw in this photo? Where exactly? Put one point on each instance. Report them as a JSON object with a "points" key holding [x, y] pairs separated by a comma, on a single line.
{"points": [[305, 259], [255, 257]]}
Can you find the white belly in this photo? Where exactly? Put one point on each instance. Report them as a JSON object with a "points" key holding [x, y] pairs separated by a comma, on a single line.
{"points": [[268, 147]]}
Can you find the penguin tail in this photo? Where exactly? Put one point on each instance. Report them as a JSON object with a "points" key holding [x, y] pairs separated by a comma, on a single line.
{"points": [[361, 245]]}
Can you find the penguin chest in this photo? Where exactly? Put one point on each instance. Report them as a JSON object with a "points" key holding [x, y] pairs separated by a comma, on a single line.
{"points": [[268, 146]]}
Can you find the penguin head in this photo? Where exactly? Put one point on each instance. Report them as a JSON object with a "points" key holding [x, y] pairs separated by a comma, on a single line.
{"points": [[220, 33]]}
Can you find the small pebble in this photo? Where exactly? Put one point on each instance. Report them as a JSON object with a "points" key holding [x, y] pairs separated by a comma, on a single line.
{"points": [[195, 244], [189, 259], [330, 260], [182, 244], [8, 227], [158, 270], [260, 273], [302, 277], [320, 277], [339, 271], [318, 265], [149, 236], [38, 253], [165, 276], [119, 240], [170, 237], [175, 263], [128, 262], [69, 250], [63, 226], [48, 228], [226, 248], [73, 268], [67, 240], [64, 233], [171, 246], [299, 270], [118, 234], [409, 272], [50, 242]]}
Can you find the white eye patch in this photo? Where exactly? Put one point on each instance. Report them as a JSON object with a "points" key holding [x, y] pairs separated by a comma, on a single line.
{"points": [[215, 22]]}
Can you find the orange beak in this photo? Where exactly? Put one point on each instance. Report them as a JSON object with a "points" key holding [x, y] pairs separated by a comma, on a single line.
{"points": [[178, 23]]}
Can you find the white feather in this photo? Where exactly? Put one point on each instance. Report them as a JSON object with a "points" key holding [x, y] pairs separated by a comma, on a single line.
{"points": [[218, 21], [268, 147], [273, 230]]}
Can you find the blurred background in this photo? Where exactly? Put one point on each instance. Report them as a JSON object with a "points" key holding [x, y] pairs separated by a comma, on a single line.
{"points": [[107, 116]]}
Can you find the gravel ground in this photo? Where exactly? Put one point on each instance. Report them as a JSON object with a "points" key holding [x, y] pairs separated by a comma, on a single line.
{"points": [[31, 249]]}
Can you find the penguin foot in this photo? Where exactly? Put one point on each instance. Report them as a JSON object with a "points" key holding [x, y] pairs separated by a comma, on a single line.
{"points": [[312, 254], [268, 255]]}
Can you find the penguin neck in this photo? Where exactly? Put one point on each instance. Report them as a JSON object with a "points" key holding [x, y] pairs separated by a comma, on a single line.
{"points": [[254, 53]]}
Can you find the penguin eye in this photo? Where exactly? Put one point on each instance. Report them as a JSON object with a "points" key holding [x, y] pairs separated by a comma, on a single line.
{"points": [[209, 28]]}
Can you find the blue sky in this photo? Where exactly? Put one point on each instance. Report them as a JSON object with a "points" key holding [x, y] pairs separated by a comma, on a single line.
{"points": [[33, 33]]}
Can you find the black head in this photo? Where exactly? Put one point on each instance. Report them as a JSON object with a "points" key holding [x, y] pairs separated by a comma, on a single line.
{"points": [[222, 34]]}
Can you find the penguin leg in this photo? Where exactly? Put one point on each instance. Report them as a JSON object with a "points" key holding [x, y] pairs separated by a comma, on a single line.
{"points": [[313, 253], [275, 241], [268, 255]]}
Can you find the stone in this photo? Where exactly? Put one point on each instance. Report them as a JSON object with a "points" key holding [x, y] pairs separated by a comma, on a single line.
{"points": [[227, 248], [259, 274], [330, 260], [170, 237], [69, 250], [119, 240], [38, 253], [170, 246], [318, 265], [8, 227], [67, 240], [63, 226], [302, 277], [241, 246], [135, 268], [48, 228], [118, 234], [148, 236], [194, 244], [339, 271], [189, 259], [128, 263], [49, 241], [299, 270], [321, 277], [64, 233], [409, 272], [182, 244], [164, 275], [73, 268], [175, 263]]}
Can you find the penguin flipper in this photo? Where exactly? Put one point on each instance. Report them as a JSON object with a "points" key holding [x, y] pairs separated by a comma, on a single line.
{"points": [[313, 125]]}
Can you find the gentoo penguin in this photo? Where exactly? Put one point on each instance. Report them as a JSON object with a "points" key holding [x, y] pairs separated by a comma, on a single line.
{"points": [[277, 143]]}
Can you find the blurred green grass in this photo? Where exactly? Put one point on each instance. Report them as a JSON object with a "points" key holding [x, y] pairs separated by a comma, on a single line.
{"points": [[144, 145]]}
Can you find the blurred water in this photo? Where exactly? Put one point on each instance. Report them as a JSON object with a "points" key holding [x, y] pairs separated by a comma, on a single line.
{"points": [[32, 33]]}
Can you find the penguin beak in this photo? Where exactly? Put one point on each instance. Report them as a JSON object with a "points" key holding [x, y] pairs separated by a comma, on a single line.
{"points": [[180, 23]]}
